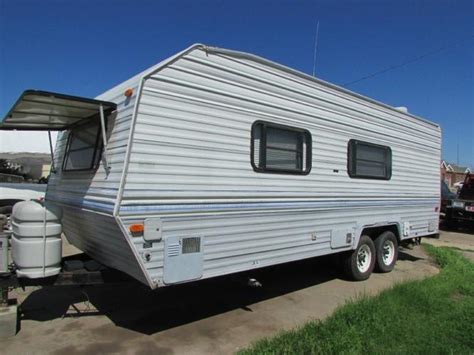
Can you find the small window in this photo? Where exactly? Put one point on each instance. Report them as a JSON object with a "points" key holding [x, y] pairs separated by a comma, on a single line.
{"points": [[83, 148], [369, 161], [280, 149]]}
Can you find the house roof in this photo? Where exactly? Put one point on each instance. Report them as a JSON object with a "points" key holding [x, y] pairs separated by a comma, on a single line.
{"points": [[456, 168]]}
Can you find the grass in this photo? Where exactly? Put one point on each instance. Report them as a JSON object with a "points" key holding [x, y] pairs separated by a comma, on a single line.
{"points": [[434, 315]]}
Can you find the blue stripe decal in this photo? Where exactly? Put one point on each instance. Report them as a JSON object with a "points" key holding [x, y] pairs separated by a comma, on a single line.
{"points": [[85, 204], [276, 205], [108, 208]]}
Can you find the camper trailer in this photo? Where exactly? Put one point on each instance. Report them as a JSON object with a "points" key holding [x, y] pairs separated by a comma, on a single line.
{"points": [[215, 161]]}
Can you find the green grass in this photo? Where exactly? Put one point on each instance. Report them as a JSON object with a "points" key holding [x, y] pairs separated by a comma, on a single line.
{"points": [[431, 316]]}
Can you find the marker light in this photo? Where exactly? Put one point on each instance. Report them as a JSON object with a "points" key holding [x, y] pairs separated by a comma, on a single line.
{"points": [[136, 228], [128, 92]]}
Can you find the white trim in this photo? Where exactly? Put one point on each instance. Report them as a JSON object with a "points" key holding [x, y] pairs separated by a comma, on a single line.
{"points": [[128, 151]]}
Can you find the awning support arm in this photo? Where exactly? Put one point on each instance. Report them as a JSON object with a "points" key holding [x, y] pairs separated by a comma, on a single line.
{"points": [[53, 168], [104, 138]]}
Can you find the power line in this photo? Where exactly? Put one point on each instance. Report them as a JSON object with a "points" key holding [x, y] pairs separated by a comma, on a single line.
{"points": [[415, 59]]}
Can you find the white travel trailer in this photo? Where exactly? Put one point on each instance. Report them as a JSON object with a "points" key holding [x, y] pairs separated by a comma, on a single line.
{"points": [[216, 161]]}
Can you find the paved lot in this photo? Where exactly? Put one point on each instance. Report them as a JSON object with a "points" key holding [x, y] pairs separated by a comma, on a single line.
{"points": [[215, 316], [462, 239]]}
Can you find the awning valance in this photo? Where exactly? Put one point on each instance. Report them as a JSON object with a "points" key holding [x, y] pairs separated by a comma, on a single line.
{"points": [[47, 111]]}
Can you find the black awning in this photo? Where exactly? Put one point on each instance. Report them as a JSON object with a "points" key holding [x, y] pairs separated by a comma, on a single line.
{"points": [[48, 111]]}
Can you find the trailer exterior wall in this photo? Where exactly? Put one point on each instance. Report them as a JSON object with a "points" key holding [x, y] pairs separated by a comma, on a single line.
{"points": [[189, 165], [88, 197]]}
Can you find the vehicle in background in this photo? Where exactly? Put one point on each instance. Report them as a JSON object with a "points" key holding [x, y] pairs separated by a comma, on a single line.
{"points": [[446, 196], [461, 209], [458, 186], [11, 193]]}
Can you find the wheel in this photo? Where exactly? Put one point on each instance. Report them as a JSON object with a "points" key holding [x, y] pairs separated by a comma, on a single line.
{"points": [[386, 249], [359, 263], [449, 223], [6, 210]]}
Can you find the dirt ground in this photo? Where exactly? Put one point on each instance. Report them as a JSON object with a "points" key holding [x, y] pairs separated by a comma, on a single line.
{"points": [[217, 316]]}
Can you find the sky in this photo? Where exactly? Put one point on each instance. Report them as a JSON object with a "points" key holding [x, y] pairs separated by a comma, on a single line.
{"points": [[86, 47]]}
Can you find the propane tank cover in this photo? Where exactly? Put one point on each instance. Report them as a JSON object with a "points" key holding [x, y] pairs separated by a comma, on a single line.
{"points": [[36, 240]]}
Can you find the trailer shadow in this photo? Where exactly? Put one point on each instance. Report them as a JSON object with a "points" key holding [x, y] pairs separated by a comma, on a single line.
{"points": [[133, 306], [407, 257]]}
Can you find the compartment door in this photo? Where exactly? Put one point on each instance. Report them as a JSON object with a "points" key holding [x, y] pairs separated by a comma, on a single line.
{"points": [[183, 259]]}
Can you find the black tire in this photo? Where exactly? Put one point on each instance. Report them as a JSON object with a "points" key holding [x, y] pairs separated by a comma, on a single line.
{"points": [[386, 251], [6, 210], [354, 264], [449, 223]]}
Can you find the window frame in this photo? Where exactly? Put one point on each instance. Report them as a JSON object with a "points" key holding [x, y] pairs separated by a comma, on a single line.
{"points": [[262, 152], [98, 147], [352, 160]]}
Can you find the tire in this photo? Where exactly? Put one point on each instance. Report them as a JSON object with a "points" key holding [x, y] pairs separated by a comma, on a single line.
{"points": [[449, 223], [386, 251], [359, 263], [6, 210]]}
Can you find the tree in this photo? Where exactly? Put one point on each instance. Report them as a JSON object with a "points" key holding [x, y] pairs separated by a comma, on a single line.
{"points": [[6, 167]]}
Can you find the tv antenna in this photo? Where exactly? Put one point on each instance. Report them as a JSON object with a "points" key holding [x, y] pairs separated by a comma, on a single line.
{"points": [[315, 48]]}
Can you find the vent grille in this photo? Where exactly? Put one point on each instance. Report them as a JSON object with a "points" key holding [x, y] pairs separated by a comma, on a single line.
{"points": [[173, 249], [191, 245]]}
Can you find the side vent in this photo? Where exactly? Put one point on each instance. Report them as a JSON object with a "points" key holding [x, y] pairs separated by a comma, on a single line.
{"points": [[172, 249], [191, 245]]}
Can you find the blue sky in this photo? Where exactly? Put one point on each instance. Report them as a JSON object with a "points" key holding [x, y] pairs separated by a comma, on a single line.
{"points": [[85, 47]]}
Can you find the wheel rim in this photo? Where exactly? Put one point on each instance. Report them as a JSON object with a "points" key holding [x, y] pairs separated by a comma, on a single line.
{"points": [[364, 257], [388, 252]]}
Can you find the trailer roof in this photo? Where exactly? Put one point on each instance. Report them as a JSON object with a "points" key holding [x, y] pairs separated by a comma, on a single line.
{"points": [[238, 54], [270, 63], [48, 111]]}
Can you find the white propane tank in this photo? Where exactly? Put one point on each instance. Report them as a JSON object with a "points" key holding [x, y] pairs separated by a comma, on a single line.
{"points": [[36, 241]]}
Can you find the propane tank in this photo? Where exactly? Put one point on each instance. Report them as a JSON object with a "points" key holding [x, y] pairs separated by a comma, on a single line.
{"points": [[36, 241]]}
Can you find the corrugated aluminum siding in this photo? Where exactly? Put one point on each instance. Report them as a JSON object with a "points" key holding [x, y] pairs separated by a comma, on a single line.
{"points": [[191, 158], [100, 237], [88, 197], [192, 136]]}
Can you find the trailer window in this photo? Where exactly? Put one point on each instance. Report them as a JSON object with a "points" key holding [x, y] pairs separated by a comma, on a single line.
{"points": [[280, 149], [83, 147], [369, 161]]}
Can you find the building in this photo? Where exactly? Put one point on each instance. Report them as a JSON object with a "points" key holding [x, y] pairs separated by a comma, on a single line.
{"points": [[452, 173]]}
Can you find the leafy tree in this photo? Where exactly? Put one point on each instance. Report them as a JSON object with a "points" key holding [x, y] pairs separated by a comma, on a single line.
{"points": [[6, 167]]}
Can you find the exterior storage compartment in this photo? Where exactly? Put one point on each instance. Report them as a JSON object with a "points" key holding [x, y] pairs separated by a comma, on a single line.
{"points": [[36, 240]]}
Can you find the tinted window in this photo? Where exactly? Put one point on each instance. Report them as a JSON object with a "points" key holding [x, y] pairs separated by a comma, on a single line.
{"points": [[467, 190], [368, 160], [280, 149], [83, 148]]}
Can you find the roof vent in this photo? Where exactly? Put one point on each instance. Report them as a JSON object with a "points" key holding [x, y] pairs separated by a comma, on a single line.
{"points": [[402, 109]]}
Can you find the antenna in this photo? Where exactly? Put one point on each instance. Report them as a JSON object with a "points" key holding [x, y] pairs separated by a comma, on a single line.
{"points": [[457, 151], [457, 147], [315, 48]]}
